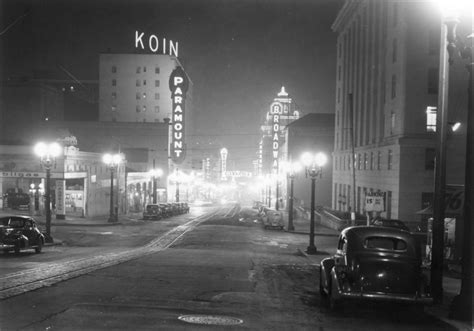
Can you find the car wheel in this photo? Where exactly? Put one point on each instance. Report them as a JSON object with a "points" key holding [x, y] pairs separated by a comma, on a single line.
{"points": [[39, 247]]}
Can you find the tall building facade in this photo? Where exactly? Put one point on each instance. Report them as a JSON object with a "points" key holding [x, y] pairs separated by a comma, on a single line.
{"points": [[386, 100], [135, 87]]}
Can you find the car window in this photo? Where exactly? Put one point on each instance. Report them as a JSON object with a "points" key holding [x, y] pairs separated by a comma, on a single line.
{"points": [[17, 222], [386, 243]]}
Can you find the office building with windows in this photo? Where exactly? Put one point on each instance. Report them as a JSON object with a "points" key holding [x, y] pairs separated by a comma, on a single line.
{"points": [[386, 101], [135, 88]]}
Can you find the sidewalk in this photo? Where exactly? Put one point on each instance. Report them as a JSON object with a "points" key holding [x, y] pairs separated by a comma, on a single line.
{"points": [[76, 220], [451, 285]]}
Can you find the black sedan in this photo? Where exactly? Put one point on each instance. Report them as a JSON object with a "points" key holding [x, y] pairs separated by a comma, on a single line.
{"points": [[20, 233]]}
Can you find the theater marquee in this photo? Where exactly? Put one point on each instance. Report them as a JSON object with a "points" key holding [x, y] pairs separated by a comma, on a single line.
{"points": [[178, 84]]}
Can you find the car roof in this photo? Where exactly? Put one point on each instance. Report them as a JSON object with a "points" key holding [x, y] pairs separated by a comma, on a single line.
{"points": [[364, 231]]}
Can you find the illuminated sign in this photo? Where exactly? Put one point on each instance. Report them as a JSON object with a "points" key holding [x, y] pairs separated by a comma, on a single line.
{"points": [[178, 84], [238, 173], [153, 44], [276, 109]]}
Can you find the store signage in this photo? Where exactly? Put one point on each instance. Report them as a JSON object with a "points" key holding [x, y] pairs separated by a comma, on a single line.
{"points": [[276, 109], [153, 44], [238, 173], [178, 84], [20, 174], [374, 201], [60, 202]]}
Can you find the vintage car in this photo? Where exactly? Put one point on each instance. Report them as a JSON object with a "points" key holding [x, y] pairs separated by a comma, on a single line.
{"points": [[19, 233], [271, 218], [152, 212], [374, 263]]}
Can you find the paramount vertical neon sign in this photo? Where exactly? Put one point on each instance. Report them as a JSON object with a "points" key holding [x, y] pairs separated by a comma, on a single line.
{"points": [[178, 84], [276, 109]]}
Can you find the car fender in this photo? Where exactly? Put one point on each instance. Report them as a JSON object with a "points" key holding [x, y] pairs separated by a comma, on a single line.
{"points": [[335, 288], [326, 267]]}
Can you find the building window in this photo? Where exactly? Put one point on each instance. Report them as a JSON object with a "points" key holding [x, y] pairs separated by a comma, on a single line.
{"points": [[395, 14], [138, 83], [114, 95], [138, 109], [394, 50], [430, 156], [114, 82], [372, 161], [379, 159], [114, 69], [366, 161], [144, 95], [349, 161], [157, 96], [157, 83], [157, 109], [389, 160], [431, 119], [144, 69], [114, 108], [157, 70], [144, 82], [433, 42], [144, 108], [393, 119], [138, 96], [138, 70], [359, 161], [433, 74], [339, 70], [394, 86]]}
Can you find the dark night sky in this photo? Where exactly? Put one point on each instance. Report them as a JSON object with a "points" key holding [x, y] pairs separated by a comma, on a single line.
{"points": [[238, 53]]}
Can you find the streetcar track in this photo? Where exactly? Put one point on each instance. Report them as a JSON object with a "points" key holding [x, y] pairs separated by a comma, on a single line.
{"points": [[27, 280]]}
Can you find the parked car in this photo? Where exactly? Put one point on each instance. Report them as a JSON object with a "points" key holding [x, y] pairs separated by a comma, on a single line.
{"points": [[389, 223], [374, 263], [271, 218], [20, 233], [166, 209], [152, 212]]}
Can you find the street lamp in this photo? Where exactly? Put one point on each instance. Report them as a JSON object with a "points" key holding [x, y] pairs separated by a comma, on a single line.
{"points": [[155, 175], [48, 152], [450, 11], [112, 162], [314, 168], [36, 190], [291, 168], [461, 307]]}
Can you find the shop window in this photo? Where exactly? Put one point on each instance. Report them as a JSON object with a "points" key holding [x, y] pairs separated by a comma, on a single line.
{"points": [[431, 119]]}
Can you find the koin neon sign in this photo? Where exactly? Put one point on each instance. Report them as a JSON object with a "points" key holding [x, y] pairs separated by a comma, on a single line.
{"points": [[153, 44], [276, 110], [178, 85]]}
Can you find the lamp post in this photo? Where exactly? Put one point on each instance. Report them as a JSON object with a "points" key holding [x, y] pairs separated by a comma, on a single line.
{"points": [[291, 169], [35, 190], [48, 152], [155, 175], [314, 168], [112, 161]]}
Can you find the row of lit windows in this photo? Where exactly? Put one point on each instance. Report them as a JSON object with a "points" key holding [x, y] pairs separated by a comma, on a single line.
{"points": [[138, 109], [138, 96], [139, 69], [139, 82], [365, 161]]}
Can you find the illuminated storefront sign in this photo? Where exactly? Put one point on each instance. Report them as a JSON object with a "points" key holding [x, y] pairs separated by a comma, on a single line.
{"points": [[276, 109], [155, 44], [178, 84]]}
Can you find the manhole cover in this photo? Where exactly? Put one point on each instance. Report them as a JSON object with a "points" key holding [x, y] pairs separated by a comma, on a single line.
{"points": [[210, 320]]}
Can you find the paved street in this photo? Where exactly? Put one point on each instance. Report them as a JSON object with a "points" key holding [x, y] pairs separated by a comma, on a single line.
{"points": [[212, 266]]}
